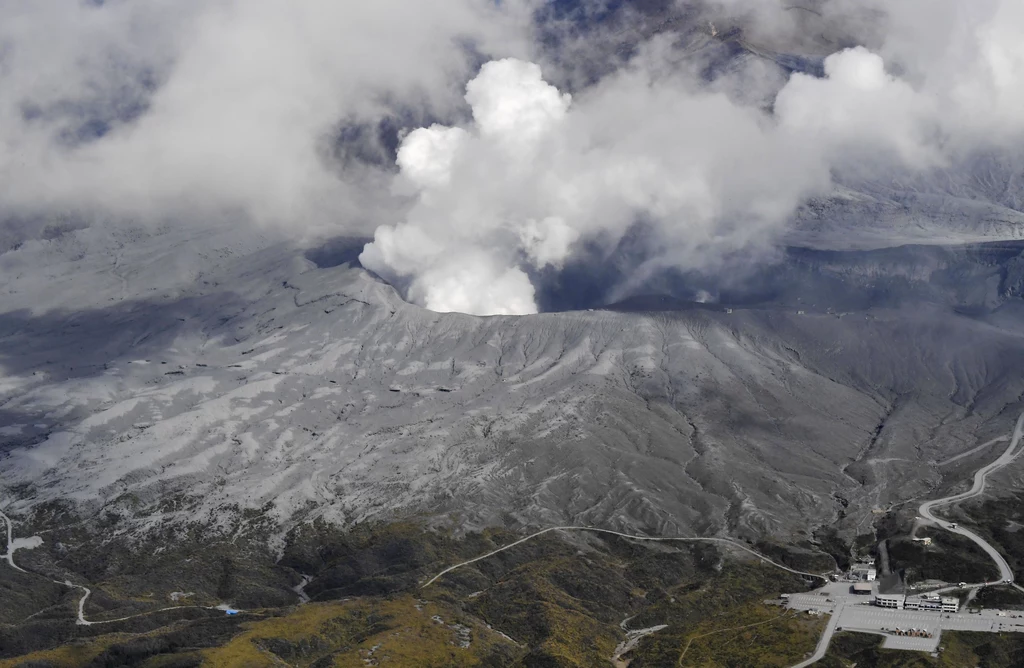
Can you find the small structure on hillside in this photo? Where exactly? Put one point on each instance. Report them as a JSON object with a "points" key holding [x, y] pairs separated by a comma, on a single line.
{"points": [[865, 571]]}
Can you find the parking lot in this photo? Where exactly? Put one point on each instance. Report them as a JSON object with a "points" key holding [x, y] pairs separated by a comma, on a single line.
{"points": [[856, 613], [838, 592], [912, 644]]}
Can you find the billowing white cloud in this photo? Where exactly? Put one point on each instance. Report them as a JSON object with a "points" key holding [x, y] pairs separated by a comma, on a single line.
{"points": [[548, 241], [858, 109], [533, 175], [946, 80], [511, 101], [460, 242], [474, 282], [426, 155]]}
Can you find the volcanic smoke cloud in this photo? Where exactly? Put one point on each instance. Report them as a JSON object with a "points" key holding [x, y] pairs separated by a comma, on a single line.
{"points": [[537, 171], [154, 111]]}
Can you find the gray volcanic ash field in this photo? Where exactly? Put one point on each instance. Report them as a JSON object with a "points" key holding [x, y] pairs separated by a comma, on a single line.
{"points": [[303, 391]]}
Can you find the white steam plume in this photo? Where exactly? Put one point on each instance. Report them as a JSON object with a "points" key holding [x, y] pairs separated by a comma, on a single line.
{"points": [[534, 174], [537, 172]]}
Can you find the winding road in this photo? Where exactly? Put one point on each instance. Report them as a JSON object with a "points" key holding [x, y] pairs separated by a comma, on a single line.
{"points": [[956, 458], [980, 480], [81, 621], [9, 556], [977, 489]]}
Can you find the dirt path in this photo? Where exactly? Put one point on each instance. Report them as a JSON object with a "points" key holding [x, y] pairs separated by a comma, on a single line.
{"points": [[725, 541]]}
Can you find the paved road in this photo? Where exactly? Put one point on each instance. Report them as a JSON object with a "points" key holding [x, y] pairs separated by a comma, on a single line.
{"points": [[726, 541], [997, 439], [9, 556], [826, 638], [978, 488], [81, 621]]}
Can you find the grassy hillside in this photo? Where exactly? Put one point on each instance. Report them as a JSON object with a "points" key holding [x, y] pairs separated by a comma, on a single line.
{"points": [[554, 601]]}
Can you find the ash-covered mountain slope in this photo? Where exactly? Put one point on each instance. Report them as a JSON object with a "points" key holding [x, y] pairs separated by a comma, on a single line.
{"points": [[976, 203], [173, 376]]}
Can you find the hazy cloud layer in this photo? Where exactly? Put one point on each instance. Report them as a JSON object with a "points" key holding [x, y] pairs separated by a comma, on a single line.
{"points": [[152, 110], [171, 107]]}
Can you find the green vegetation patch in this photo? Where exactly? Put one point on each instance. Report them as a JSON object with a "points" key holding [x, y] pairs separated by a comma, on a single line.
{"points": [[950, 558], [727, 599], [832, 543], [557, 600], [956, 650], [750, 635], [1001, 521], [1003, 597], [404, 631]]}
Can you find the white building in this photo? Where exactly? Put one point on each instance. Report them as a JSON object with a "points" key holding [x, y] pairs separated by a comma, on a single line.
{"points": [[922, 604], [890, 600], [933, 602]]}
